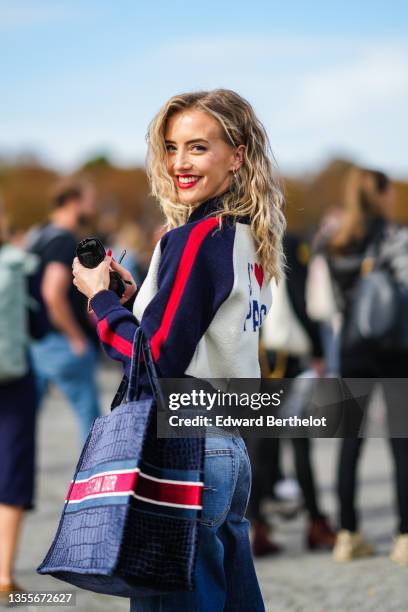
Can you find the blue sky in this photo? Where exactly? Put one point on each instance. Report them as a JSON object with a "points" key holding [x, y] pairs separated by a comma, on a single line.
{"points": [[326, 78]]}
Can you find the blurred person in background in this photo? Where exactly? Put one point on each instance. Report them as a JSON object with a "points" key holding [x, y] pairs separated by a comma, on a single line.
{"points": [[107, 223], [328, 226], [67, 354], [16, 237], [292, 345], [18, 403], [321, 305], [131, 238], [365, 225]]}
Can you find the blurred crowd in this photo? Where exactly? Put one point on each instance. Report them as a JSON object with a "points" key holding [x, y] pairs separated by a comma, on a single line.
{"points": [[48, 336]]}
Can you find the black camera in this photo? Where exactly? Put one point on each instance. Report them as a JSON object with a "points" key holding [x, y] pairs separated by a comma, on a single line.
{"points": [[91, 253]]}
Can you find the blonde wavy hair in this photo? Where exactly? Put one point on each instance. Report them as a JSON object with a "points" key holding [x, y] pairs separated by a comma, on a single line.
{"points": [[255, 190]]}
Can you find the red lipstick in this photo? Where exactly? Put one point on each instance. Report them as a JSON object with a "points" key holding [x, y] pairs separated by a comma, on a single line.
{"points": [[192, 182]]}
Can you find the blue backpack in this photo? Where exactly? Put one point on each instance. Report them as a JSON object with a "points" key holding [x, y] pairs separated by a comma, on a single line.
{"points": [[15, 266]]}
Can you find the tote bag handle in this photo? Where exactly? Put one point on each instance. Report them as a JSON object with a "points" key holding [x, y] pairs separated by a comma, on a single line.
{"points": [[129, 387], [134, 375], [142, 353]]}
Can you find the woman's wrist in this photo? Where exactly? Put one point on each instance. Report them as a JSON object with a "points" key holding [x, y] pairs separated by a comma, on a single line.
{"points": [[94, 295], [97, 290], [102, 302]]}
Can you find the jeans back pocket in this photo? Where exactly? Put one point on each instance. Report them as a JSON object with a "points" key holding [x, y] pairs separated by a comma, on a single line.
{"points": [[219, 484]]}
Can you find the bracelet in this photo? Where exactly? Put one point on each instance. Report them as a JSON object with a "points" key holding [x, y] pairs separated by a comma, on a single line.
{"points": [[89, 308]]}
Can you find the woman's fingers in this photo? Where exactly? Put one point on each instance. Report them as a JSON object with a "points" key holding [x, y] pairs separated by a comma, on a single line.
{"points": [[75, 265], [131, 287], [125, 274], [107, 261], [90, 281]]}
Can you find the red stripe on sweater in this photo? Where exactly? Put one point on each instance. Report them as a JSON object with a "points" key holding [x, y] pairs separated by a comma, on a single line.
{"points": [[109, 337], [193, 244]]}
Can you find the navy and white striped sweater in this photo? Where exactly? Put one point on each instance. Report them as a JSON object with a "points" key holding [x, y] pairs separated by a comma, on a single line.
{"points": [[201, 304]]}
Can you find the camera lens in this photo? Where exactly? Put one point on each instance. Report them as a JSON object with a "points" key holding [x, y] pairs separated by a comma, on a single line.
{"points": [[90, 252]]}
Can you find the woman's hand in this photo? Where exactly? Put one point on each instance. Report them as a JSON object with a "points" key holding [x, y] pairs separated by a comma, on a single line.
{"points": [[90, 281], [130, 284]]}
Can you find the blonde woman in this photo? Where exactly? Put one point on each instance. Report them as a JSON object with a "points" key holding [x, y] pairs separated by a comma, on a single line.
{"points": [[202, 303]]}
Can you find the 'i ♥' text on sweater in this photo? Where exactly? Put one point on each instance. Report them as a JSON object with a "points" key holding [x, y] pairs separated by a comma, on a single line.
{"points": [[201, 305]]}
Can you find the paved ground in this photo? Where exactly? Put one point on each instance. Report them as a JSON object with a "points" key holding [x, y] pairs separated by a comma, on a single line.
{"points": [[296, 581]]}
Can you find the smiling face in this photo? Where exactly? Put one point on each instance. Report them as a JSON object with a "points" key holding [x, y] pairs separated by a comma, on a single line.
{"points": [[199, 160]]}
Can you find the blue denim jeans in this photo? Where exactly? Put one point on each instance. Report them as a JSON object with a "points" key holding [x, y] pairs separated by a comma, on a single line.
{"points": [[75, 376], [225, 574]]}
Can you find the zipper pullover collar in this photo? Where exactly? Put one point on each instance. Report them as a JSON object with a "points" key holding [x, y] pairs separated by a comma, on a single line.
{"points": [[211, 207], [206, 209]]}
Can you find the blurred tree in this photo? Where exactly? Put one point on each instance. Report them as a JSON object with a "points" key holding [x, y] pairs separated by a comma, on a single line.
{"points": [[25, 191], [99, 162], [123, 193], [295, 192]]}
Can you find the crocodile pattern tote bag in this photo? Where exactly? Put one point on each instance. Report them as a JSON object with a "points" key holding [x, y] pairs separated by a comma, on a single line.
{"points": [[130, 521]]}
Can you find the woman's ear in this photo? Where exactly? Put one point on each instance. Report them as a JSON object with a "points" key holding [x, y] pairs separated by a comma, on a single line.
{"points": [[239, 157]]}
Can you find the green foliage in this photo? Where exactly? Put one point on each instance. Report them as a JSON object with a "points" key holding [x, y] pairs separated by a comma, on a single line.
{"points": [[99, 162]]}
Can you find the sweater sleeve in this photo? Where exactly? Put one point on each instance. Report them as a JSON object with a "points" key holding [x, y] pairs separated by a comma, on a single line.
{"points": [[116, 327], [195, 276]]}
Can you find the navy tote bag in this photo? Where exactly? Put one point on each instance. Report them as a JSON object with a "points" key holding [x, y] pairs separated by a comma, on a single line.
{"points": [[129, 524]]}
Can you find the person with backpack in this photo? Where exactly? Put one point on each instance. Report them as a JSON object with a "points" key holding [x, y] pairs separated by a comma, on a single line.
{"points": [[66, 355], [291, 345], [201, 307], [366, 247], [18, 403]]}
